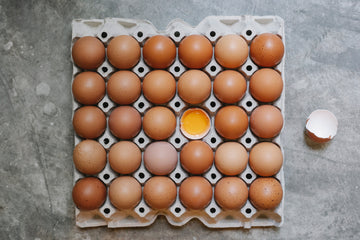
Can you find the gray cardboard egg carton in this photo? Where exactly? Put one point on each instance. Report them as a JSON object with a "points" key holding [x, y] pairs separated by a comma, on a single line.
{"points": [[213, 27]]}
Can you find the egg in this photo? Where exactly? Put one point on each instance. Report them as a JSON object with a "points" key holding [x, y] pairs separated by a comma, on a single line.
{"points": [[124, 157], [195, 51], [231, 51], [265, 159], [196, 157], [124, 87], [265, 193], [159, 123], [123, 52], [195, 123], [231, 158], [88, 53], [159, 86], [231, 122], [194, 86], [231, 193], [195, 193], [159, 51], [266, 85], [267, 50], [159, 192], [89, 193], [266, 121], [125, 122], [229, 86], [89, 157], [160, 158], [89, 122], [88, 88], [125, 192]]}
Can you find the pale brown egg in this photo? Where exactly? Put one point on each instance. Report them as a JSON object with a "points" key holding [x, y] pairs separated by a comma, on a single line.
{"points": [[123, 52], [124, 157], [89, 157], [267, 50], [231, 51], [194, 86], [88, 53], [160, 158], [89, 193], [196, 157], [125, 192], [266, 121], [195, 192], [229, 86], [265, 159], [159, 123], [266, 85], [265, 193], [124, 87], [89, 122], [231, 193], [231, 158], [195, 51], [159, 86], [231, 122], [159, 192], [125, 122], [88, 88], [159, 52]]}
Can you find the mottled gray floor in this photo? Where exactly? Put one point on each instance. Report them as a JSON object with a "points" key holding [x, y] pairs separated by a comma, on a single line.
{"points": [[322, 71]]}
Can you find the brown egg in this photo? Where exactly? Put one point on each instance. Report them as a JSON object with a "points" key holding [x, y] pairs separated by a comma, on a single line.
{"points": [[195, 192], [231, 158], [124, 157], [267, 50], [159, 86], [231, 193], [159, 51], [125, 192], [266, 121], [89, 193], [231, 122], [265, 159], [160, 158], [194, 86], [88, 88], [89, 157], [89, 122], [229, 86], [88, 52], [123, 52], [124, 87], [125, 122], [196, 157], [231, 51], [265, 193], [159, 192], [159, 123], [195, 51], [266, 85]]}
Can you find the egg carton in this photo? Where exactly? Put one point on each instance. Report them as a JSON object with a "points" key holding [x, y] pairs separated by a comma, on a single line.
{"points": [[213, 27]]}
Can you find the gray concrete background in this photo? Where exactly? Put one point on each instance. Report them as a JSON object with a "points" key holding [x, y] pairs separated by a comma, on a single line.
{"points": [[322, 71]]}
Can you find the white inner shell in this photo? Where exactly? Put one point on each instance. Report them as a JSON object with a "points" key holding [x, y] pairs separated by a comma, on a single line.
{"points": [[322, 123]]}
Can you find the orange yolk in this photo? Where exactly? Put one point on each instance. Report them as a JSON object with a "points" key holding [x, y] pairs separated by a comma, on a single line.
{"points": [[195, 122]]}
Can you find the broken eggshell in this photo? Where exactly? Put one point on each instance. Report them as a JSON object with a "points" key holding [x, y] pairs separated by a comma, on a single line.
{"points": [[321, 126]]}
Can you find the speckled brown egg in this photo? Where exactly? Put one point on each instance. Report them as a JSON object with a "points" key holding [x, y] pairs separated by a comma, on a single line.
{"points": [[159, 192], [88, 88], [231, 51], [159, 52], [195, 51], [194, 86], [124, 157], [196, 157], [159, 123], [267, 50], [265, 193], [89, 157], [89, 122], [231, 193], [123, 52], [231, 122], [88, 53], [229, 86], [266, 121], [159, 86], [266, 85], [265, 159], [89, 193], [195, 192], [125, 122], [125, 192], [124, 87]]}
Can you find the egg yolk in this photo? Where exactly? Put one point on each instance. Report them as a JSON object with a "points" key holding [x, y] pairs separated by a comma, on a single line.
{"points": [[195, 122]]}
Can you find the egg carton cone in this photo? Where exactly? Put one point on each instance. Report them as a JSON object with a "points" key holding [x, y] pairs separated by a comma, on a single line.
{"points": [[213, 28]]}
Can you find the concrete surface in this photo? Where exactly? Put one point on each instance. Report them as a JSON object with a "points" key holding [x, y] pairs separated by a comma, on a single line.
{"points": [[322, 71]]}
